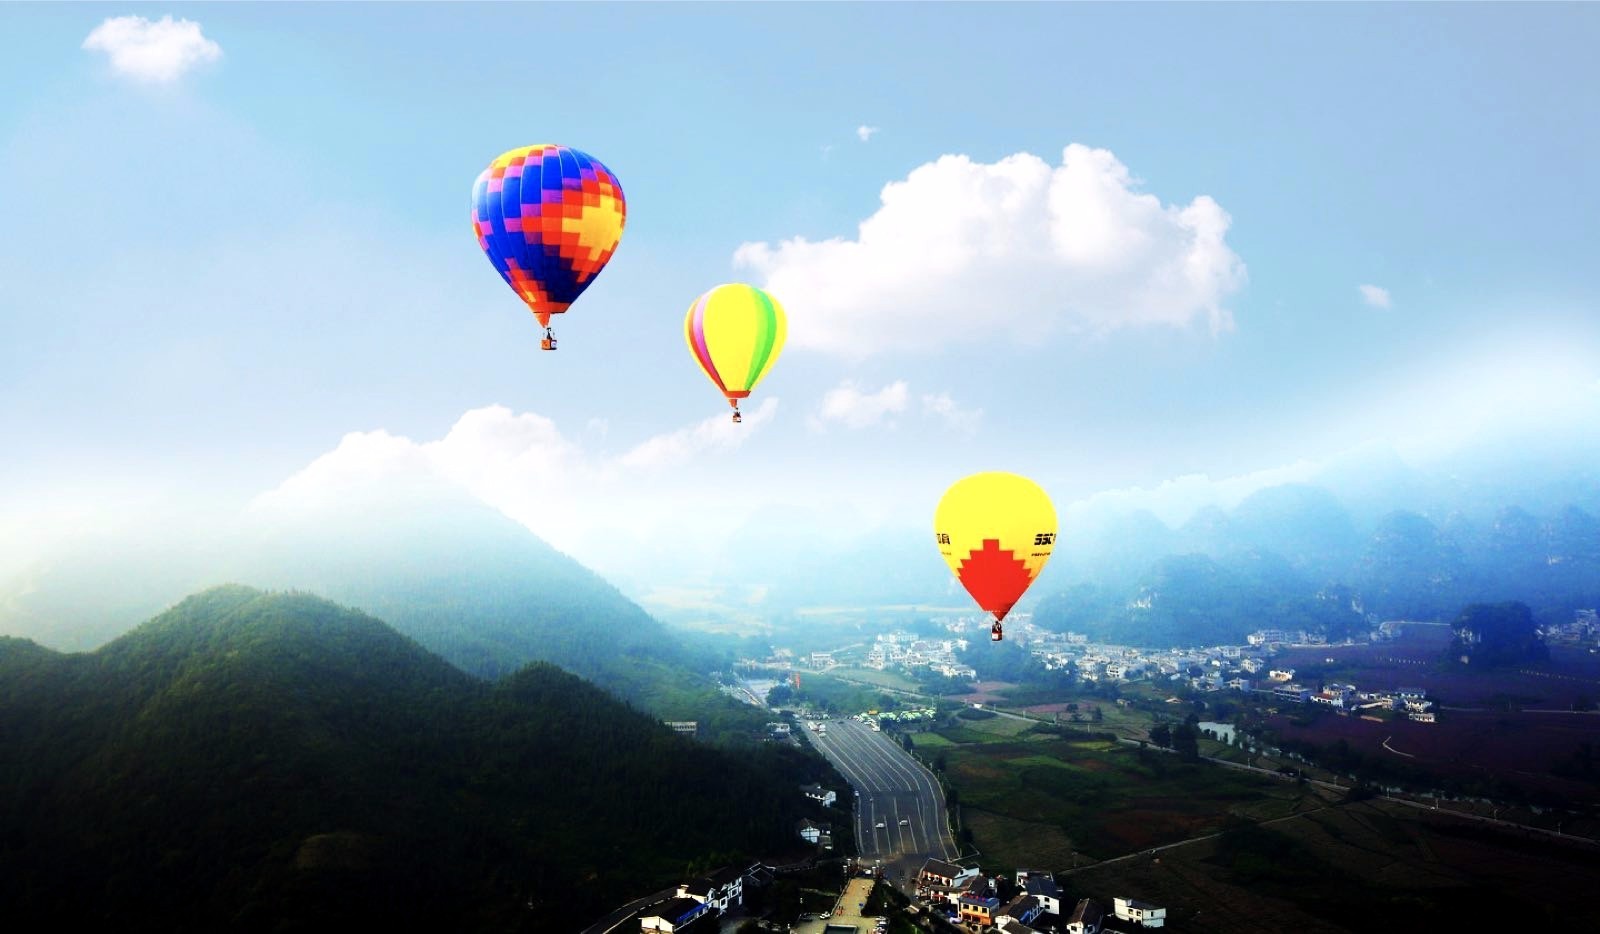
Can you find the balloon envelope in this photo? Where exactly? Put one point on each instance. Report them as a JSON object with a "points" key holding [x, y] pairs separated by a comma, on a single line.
{"points": [[996, 531], [735, 333], [548, 217]]}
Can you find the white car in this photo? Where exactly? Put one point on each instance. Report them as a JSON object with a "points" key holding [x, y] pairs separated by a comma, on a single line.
{"points": [[881, 825], [905, 822]]}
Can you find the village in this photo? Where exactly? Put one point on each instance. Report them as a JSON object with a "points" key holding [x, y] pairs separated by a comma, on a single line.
{"points": [[1247, 668], [948, 896]]}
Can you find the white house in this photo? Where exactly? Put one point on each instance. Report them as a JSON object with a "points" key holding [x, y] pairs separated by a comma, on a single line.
{"points": [[819, 794], [812, 832], [1131, 909], [1043, 889], [1086, 918], [949, 875], [673, 915]]}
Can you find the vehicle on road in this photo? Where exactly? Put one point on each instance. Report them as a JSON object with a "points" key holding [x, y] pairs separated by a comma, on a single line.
{"points": [[881, 825], [905, 822]]}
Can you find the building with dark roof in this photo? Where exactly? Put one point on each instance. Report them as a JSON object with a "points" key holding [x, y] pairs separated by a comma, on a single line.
{"points": [[671, 916], [1086, 918]]}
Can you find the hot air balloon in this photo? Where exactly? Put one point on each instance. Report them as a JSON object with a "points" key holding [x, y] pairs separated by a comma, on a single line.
{"points": [[735, 333], [549, 218], [995, 531]]}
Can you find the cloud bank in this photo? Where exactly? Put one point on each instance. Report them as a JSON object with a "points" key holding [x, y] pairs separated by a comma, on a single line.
{"points": [[159, 52], [1017, 246], [519, 463]]}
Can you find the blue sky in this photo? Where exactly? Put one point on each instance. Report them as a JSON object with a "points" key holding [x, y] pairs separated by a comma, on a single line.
{"points": [[207, 282]]}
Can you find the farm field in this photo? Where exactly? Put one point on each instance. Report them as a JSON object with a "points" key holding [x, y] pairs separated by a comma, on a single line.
{"points": [[1517, 748], [1359, 867], [1104, 799], [886, 679], [1571, 673]]}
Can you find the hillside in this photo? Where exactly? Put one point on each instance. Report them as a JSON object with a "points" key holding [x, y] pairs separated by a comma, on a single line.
{"points": [[460, 578], [265, 760], [1293, 557]]}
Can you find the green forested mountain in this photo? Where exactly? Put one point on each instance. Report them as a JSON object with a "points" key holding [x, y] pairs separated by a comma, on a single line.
{"points": [[457, 576], [274, 761]]}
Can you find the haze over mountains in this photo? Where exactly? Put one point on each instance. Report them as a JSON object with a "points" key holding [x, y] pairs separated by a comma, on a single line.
{"points": [[1318, 545]]}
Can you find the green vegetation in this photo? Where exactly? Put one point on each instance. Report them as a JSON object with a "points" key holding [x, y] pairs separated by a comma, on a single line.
{"points": [[1496, 635], [251, 760], [1106, 798], [833, 696]]}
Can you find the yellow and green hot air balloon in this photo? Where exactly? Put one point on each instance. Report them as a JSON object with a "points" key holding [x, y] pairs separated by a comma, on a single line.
{"points": [[996, 531], [735, 333]]}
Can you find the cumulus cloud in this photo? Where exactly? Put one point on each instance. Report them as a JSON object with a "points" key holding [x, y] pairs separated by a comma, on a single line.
{"points": [[159, 52], [519, 463], [715, 433], [865, 132], [1376, 296], [1017, 246], [848, 404]]}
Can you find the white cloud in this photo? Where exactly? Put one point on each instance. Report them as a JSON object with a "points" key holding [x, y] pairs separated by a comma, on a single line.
{"points": [[152, 51], [1016, 246], [1376, 296], [519, 463], [865, 132], [954, 415], [845, 403], [718, 432], [1174, 501]]}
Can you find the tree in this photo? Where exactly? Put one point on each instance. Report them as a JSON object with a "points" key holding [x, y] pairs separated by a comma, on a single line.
{"points": [[1495, 634], [1161, 735], [1186, 740]]}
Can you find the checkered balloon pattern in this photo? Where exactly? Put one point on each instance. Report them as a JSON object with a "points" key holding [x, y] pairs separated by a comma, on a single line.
{"points": [[549, 218]]}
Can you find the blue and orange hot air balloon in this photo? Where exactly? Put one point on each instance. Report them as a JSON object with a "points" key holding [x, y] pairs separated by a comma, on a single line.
{"points": [[549, 218], [735, 333], [996, 531]]}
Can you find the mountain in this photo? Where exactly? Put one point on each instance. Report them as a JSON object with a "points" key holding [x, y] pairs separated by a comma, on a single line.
{"points": [[457, 576], [1294, 557], [275, 761]]}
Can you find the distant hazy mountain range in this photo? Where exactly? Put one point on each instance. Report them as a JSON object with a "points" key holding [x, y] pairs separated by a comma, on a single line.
{"points": [[1293, 557], [263, 761], [457, 576], [1362, 534]]}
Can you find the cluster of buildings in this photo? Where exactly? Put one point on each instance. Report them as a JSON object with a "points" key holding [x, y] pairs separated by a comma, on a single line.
{"points": [[1347, 698], [1031, 903], [1583, 630], [907, 650], [696, 905], [812, 831]]}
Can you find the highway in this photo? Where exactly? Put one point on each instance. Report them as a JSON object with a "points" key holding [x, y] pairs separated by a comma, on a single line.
{"points": [[893, 787]]}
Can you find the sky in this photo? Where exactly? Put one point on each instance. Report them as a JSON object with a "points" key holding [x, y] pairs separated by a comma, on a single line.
{"points": [[1119, 248]]}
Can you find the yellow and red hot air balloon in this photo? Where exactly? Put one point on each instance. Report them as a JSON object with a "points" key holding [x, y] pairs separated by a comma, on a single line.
{"points": [[996, 531], [548, 217], [735, 333]]}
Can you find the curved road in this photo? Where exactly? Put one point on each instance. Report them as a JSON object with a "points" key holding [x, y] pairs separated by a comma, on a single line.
{"points": [[893, 788]]}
